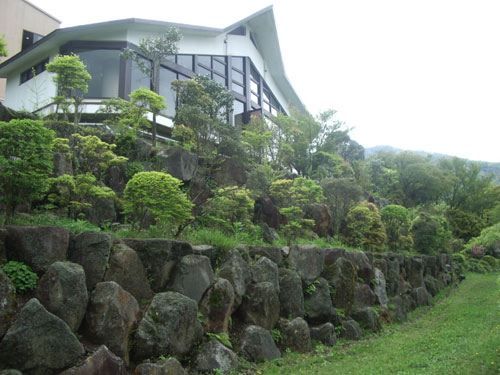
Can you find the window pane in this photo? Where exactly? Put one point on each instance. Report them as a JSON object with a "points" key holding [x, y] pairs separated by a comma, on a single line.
{"points": [[205, 60], [238, 110], [254, 86], [203, 71], [186, 61], [266, 96], [238, 77], [237, 88], [182, 77], [166, 79], [218, 67], [104, 67], [274, 112], [266, 106], [254, 74], [220, 79], [254, 98], [170, 58], [237, 62]]}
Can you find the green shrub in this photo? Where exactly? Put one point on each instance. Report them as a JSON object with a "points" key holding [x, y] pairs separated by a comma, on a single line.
{"points": [[133, 167], [364, 228], [459, 258], [397, 225], [491, 261], [489, 238], [431, 234], [160, 195], [21, 275]]}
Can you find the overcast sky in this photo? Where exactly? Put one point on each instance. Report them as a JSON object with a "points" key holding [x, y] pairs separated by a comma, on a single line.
{"points": [[418, 75]]}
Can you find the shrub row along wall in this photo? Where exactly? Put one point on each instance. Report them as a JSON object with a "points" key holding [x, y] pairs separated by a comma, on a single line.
{"points": [[133, 301]]}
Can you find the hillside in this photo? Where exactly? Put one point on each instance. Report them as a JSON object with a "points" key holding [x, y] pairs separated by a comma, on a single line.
{"points": [[486, 167]]}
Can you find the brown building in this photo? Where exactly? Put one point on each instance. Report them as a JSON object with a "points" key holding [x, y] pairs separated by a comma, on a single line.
{"points": [[22, 24]]}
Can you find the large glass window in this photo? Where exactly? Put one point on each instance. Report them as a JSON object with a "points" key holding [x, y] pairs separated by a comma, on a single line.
{"points": [[138, 79], [104, 67], [166, 79], [186, 61], [238, 112]]}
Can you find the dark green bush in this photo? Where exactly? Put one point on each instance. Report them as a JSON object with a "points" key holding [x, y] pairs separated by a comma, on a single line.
{"points": [[21, 275]]}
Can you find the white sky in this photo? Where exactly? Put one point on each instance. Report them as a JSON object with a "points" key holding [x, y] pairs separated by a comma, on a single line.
{"points": [[413, 74]]}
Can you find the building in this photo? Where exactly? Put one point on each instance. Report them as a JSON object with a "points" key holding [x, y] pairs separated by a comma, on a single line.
{"points": [[22, 24], [245, 57]]}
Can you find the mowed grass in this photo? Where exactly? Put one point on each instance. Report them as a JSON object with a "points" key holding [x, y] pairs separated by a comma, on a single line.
{"points": [[459, 335]]}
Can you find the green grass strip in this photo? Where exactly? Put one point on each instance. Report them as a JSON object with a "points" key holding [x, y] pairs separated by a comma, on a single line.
{"points": [[460, 335]]}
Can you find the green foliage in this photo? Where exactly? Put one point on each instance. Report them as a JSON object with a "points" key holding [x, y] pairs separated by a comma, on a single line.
{"points": [[23, 278], [256, 140], [364, 228], [204, 105], [184, 135], [124, 117], [94, 155], [71, 78], [292, 197], [431, 234], [222, 337], [73, 226], [160, 195], [397, 225], [230, 205], [489, 238], [25, 161], [221, 240], [3, 46], [276, 335], [341, 195], [131, 168], [464, 224], [259, 180]]}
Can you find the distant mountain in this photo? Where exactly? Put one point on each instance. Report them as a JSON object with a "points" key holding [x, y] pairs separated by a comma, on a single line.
{"points": [[486, 167]]}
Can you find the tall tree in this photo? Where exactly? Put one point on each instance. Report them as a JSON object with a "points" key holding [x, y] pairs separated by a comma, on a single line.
{"points": [[72, 81], [149, 55]]}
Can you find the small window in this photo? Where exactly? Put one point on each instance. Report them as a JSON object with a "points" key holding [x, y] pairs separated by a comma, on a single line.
{"points": [[254, 86], [219, 67], [238, 77], [36, 69], [219, 79], [186, 61], [237, 63], [29, 39], [242, 31], [237, 88], [254, 98]]}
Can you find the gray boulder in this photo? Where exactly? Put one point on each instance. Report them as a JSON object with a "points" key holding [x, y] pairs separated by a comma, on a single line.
{"points": [[262, 306], [343, 279], [271, 252], [307, 260], [331, 256], [111, 315], [115, 178], [63, 292], [364, 296], [217, 306], [7, 302], [367, 318], [237, 272], [192, 276], [291, 295], [399, 307], [392, 277], [431, 265], [229, 172], [351, 330], [269, 235], [362, 263], [101, 362], [324, 333], [169, 366], [209, 251], [178, 162], [37, 246], [318, 303], [416, 272], [126, 269], [257, 345], [215, 356], [322, 216], [159, 257], [420, 297], [39, 342], [432, 285], [101, 210], [380, 287], [295, 335], [265, 270], [91, 250], [170, 326]]}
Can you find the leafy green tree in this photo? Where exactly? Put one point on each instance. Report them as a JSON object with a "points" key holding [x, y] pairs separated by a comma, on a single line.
{"points": [[124, 117], [256, 140], [229, 206], [154, 102], [363, 228], [72, 79], [3, 46], [431, 233], [489, 239], [158, 194], [397, 225], [94, 155], [292, 197], [204, 106], [25, 161], [341, 195]]}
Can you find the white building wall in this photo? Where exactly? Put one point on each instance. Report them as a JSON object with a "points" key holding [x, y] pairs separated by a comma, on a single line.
{"points": [[24, 96]]}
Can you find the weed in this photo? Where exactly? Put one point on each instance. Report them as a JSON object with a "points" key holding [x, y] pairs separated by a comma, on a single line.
{"points": [[21, 275]]}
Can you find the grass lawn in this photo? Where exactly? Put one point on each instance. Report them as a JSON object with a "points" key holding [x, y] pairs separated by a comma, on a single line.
{"points": [[459, 335]]}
